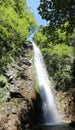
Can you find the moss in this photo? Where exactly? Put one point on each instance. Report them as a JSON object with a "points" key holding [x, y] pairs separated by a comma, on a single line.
{"points": [[18, 101], [37, 88]]}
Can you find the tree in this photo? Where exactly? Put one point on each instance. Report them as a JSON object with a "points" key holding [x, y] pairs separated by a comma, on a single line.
{"points": [[58, 12], [16, 24], [40, 38], [58, 55]]}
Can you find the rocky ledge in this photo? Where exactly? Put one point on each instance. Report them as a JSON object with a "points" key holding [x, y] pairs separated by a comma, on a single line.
{"points": [[17, 93]]}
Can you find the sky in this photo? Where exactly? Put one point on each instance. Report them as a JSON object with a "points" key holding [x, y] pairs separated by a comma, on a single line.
{"points": [[34, 4]]}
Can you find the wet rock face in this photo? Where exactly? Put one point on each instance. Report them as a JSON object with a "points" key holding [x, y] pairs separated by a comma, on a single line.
{"points": [[14, 112], [67, 105]]}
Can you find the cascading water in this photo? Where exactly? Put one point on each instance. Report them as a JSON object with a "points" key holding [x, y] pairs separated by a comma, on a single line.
{"points": [[49, 107]]}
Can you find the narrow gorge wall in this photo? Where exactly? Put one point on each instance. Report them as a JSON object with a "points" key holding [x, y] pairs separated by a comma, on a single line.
{"points": [[16, 104]]}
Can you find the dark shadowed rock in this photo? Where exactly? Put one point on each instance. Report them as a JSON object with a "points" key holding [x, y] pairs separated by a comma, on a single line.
{"points": [[72, 124], [2, 84], [27, 45], [15, 92]]}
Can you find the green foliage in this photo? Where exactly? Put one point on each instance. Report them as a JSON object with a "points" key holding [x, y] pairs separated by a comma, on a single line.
{"points": [[57, 41], [46, 35], [73, 71], [39, 36], [57, 12], [16, 24], [3, 78], [58, 52], [59, 65]]}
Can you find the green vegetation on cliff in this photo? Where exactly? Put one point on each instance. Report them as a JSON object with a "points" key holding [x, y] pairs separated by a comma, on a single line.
{"points": [[16, 24], [59, 58], [57, 41]]}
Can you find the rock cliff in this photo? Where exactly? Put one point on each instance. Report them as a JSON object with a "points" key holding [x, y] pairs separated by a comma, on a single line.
{"points": [[17, 92]]}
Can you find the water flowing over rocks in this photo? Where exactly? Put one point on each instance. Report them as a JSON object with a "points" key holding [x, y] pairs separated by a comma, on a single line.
{"points": [[17, 108]]}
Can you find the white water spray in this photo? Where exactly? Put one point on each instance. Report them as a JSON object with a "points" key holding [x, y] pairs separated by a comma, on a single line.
{"points": [[49, 107]]}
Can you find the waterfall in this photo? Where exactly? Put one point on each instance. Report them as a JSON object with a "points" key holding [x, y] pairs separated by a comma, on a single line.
{"points": [[48, 106]]}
